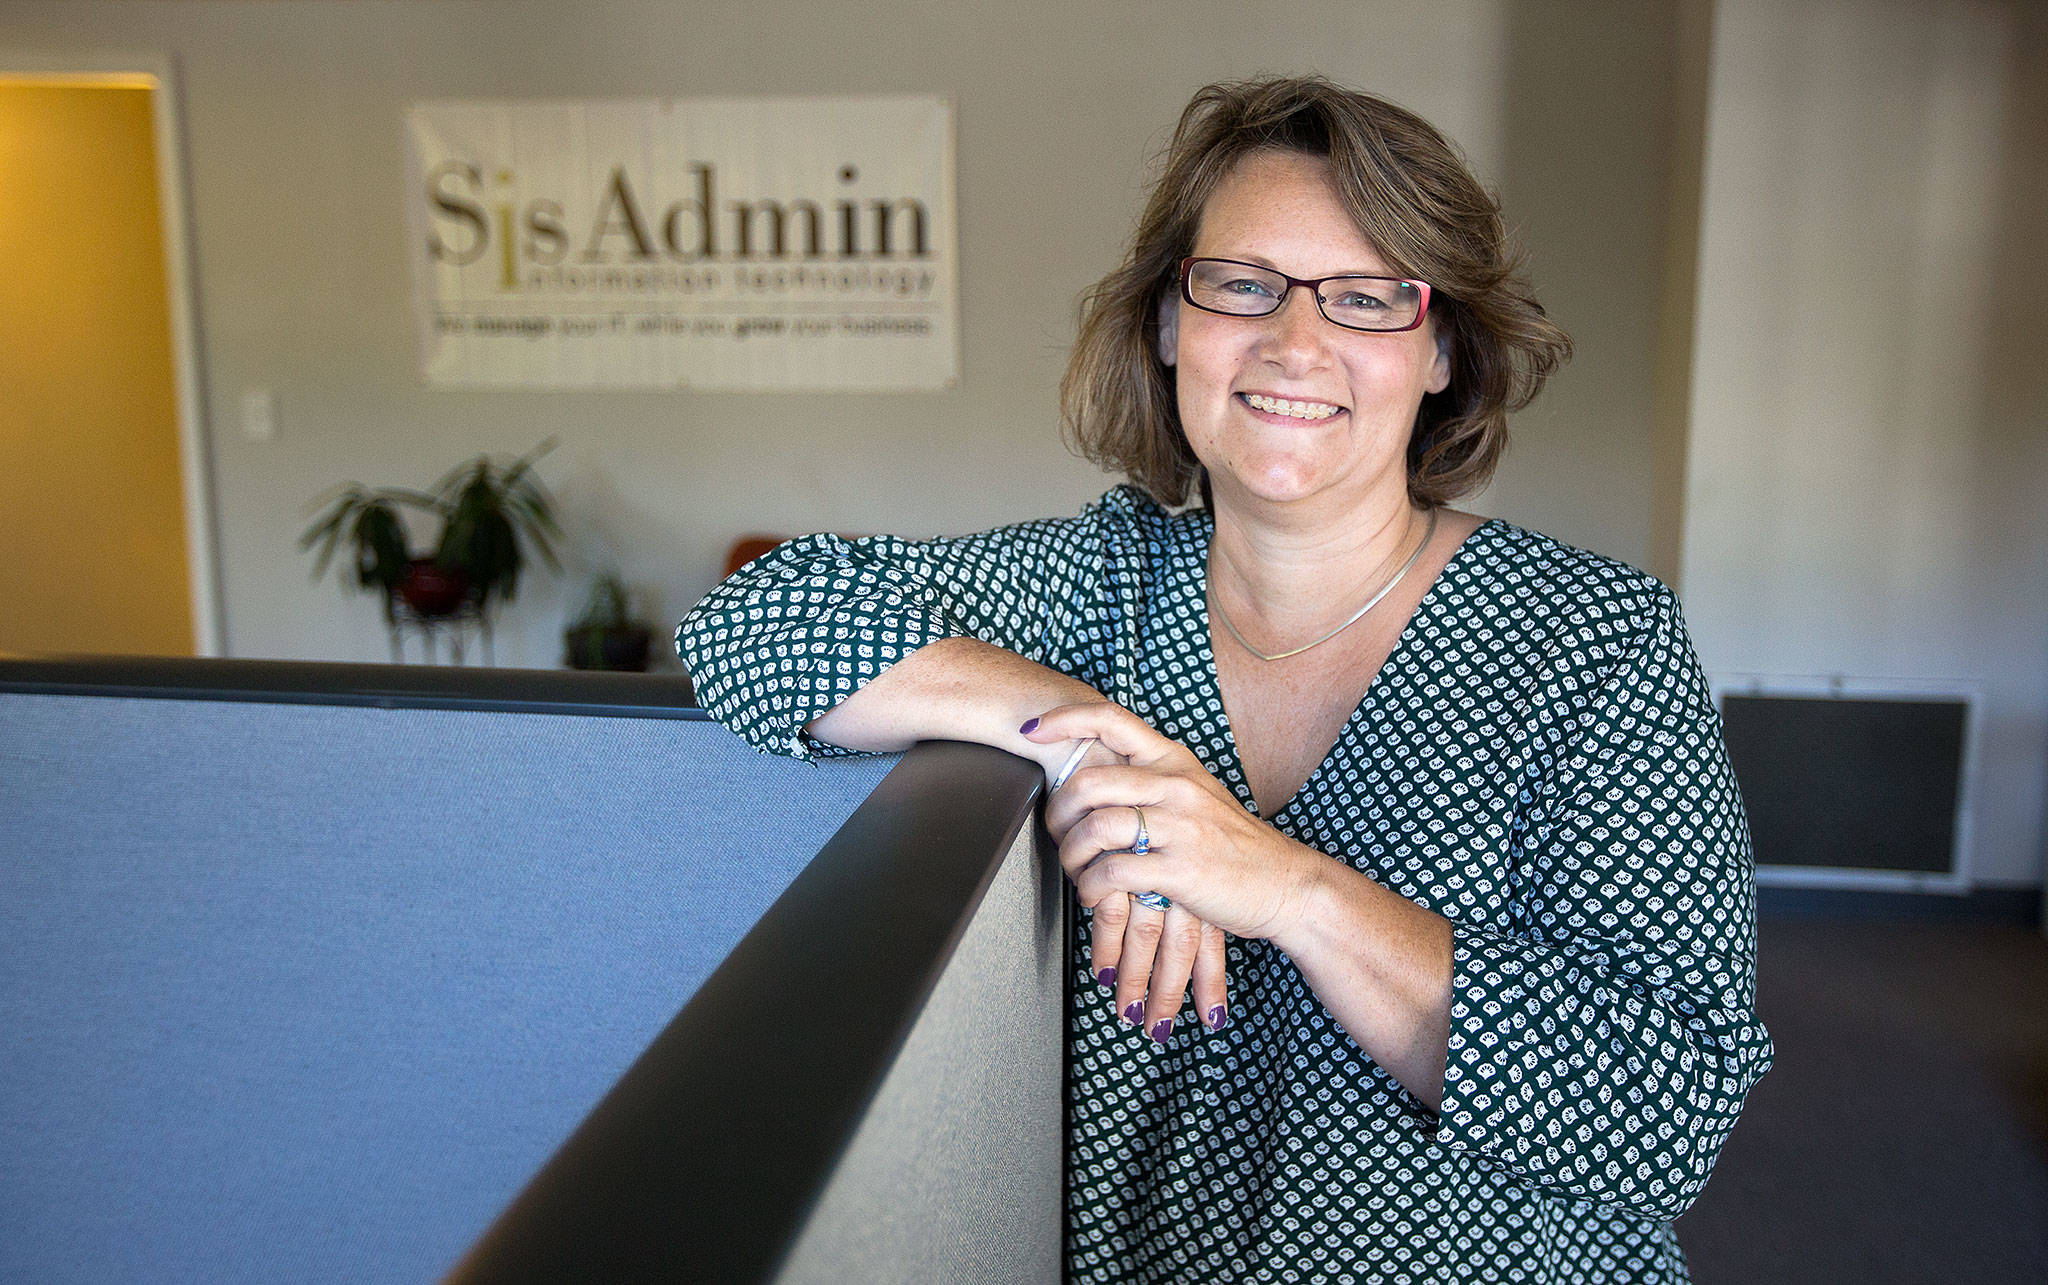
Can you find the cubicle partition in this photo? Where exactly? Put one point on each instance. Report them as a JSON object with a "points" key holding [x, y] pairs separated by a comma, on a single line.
{"points": [[331, 972]]}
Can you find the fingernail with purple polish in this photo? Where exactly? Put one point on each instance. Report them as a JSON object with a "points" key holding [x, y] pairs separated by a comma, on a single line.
{"points": [[1134, 1011], [1106, 976], [1218, 1019], [1028, 728], [1161, 1029]]}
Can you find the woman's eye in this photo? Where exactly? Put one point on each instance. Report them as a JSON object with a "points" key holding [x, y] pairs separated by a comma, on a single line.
{"points": [[1246, 286], [1361, 301]]}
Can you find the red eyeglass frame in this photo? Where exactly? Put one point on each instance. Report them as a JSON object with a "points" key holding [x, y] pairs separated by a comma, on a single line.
{"points": [[1421, 312]]}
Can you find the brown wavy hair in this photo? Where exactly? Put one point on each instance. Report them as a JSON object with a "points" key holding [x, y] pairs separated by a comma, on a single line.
{"points": [[1409, 191]]}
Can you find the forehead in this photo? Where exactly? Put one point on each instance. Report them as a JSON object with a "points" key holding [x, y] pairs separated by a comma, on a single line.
{"points": [[1282, 208]]}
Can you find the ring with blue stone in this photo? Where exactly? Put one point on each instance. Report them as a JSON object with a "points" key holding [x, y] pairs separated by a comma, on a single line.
{"points": [[1151, 900]]}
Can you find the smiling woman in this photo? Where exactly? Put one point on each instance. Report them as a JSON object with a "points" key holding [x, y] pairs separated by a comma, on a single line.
{"points": [[1249, 394], [1428, 814]]}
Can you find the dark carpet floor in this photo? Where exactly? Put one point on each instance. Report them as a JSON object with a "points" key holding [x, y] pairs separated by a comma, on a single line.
{"points": [[1903, 1134]]}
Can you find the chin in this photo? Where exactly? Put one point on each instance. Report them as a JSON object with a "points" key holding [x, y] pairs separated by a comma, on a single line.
{"points": [[1277, 486]]}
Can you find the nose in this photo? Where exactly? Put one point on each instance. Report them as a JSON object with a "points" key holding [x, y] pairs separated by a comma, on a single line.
{"points": [[1296, 331]]}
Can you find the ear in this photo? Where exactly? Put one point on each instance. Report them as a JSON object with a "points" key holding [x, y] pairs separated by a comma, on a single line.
{"points": [[1169, 329], [1440, 369]]}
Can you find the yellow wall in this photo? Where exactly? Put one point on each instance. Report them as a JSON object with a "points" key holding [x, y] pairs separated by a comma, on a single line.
{"points": [[92, 528]]}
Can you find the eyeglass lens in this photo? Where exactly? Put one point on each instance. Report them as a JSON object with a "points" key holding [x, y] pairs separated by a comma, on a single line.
{"points": [[1361, 303]]}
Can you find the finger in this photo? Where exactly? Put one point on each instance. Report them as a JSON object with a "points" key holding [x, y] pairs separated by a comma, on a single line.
{"points": [[1068, 757], [1124, 872], [1121, 785], [1134, 967], [1211, 983], [1104, 830], [1112, 788], [1172, 964], [1060, 810], [1106, 937], [1112, 724]]}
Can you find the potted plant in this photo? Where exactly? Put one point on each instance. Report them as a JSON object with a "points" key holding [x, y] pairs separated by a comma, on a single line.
{"points": [[606, 635], [489, 514]]}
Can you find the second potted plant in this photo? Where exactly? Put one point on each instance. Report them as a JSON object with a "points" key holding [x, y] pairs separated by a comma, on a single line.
{"points": [[607, 635]]}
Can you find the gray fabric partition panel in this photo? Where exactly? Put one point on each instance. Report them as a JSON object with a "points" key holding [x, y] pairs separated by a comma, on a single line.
{"points": [[954, 1173], [309, 992]]}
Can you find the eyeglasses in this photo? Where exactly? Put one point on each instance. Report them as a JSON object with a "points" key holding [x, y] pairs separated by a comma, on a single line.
{"points": [[1376, 304]]}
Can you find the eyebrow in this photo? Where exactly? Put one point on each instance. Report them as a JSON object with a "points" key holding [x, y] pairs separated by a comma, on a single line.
{"points": [[1261, 261]]}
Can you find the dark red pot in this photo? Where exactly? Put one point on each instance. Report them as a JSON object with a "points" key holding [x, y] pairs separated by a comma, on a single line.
{"points": [[430, 590]]}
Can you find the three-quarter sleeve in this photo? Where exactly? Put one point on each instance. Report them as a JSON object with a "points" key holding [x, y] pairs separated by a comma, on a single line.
{"points": [[801, 628], [1603, 1039]]}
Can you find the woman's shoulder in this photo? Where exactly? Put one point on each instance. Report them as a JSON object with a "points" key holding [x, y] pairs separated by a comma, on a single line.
{"points": [[1134, 506], [1541, 562], [1122, 529], [1126, 521], [1565, 589], [1124, 505]]}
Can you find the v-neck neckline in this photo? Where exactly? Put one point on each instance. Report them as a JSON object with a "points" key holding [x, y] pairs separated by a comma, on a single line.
{"points": [[1239, 779]]}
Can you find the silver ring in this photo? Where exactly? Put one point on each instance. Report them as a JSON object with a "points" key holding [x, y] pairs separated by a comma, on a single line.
{"points": [[1151, 900]]}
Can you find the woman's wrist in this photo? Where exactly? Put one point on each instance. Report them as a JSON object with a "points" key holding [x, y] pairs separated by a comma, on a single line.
{"points": [[958, 689], [1306, 898]]}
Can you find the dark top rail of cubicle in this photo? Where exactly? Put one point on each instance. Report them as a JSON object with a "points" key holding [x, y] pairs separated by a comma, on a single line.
{"points": [[704, 1160], [294, 682]]}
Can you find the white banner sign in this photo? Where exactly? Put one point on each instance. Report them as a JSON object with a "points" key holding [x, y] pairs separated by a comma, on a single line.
{"points": [[730, 244]]}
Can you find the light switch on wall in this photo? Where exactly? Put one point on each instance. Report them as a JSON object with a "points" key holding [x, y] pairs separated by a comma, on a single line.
{"points": [[259, 414]]}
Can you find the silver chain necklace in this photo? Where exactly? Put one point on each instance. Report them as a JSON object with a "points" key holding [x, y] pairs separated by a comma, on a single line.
{"points": [[1356, 616]]}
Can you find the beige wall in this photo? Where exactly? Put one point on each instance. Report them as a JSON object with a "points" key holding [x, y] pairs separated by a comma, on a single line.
{"points": [[1599, 166], [91, 508], [1870, 407]]}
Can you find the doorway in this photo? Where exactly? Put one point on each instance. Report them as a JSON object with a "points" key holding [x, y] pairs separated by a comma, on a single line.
{"points": [[105, 541]]}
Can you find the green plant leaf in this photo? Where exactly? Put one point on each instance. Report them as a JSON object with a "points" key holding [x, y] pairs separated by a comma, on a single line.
{"points": [[490, 514], [608, 606], [367, 520]]}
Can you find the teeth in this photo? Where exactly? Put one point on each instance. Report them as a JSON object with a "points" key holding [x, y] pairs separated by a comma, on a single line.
{"points": [[1295, 410]]}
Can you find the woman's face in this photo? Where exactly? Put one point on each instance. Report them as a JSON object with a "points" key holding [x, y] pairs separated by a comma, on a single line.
{"points": [[1242, 382]]}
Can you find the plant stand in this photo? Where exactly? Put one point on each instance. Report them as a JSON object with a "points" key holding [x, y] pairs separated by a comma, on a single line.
{"points": [[445, 630]]}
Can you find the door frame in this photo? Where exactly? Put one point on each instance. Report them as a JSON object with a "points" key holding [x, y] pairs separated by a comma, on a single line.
{"points": [[195, 462]]}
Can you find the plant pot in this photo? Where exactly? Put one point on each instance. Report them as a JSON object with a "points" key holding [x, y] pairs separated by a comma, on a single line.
{"points": [[615, 647], [430, 590]]}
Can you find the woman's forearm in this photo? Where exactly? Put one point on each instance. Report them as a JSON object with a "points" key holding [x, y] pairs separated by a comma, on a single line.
{"points": [[1382, 965], [956, 689]]}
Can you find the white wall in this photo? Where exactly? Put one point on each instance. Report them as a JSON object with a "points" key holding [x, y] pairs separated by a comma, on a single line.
{"points": [[1870, 409]]}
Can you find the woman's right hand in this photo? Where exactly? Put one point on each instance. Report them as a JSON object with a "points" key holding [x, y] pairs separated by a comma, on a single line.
{"points": [[964, 690], [1136, 951]]}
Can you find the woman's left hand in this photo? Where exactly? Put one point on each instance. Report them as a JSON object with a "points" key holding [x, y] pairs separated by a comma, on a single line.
{"points": [[1214, 860]]}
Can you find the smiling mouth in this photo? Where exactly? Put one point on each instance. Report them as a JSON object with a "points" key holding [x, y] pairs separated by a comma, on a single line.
{"points": [[1309, 411]]}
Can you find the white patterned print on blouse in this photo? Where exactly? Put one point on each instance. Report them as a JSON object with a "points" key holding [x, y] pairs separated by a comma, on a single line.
{"points": [[1539, 761]]}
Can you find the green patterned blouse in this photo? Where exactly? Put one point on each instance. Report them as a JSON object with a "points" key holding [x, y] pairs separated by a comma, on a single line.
{"points": [[1539, 761]]}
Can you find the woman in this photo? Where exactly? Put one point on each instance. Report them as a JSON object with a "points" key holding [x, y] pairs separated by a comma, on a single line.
{"points": [[1430, 813]]}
